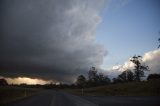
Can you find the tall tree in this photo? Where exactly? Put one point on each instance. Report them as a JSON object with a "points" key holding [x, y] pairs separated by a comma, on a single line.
{"points": [[139, 67], [81, 81], [92, 74]]}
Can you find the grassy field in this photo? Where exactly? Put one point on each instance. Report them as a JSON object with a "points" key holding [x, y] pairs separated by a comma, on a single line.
{"points": [[10, 94], [149, 88]]}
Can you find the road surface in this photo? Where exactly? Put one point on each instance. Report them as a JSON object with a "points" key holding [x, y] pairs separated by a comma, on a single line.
{"points": [[55, 98]]}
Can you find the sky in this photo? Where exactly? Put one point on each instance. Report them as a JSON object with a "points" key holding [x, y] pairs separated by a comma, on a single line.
{"points": [[128, 27], [57, 40]]}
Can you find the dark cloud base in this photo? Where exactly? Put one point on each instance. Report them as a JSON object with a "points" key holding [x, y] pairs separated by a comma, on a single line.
{"points": [[49, 39]]}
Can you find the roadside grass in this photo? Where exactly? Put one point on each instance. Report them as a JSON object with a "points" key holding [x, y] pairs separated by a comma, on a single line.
{"points": [[9, 94], [146, 88]]}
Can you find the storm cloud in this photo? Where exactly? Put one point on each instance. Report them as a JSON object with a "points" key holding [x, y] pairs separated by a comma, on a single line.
{"points": [[51, 39]]}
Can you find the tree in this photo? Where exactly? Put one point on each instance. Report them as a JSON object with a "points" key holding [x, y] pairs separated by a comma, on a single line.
{"points": [[126, 76], [101, 79], [116, 80], [159, 42], [153, 76], [81, 81], [96, 79], [139, 68], [92, 74], [106, 80], [130, 75], [3, 82], [122, 77]]}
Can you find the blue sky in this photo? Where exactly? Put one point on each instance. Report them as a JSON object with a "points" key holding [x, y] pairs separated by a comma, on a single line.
{"points": [[128, 27]]}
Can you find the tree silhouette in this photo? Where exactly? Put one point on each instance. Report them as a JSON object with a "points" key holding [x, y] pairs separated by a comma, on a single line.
{"points": [[130, 75], [101, 79], [139, 68], [3, 82], [126, 76], [116, 80], [92, 74], [159, 42], [81, 81], [153, 76], [96, 79]]}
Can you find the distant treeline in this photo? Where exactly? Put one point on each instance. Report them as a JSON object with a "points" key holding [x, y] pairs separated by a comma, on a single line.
{"points": [[3, 83], [82, 82], [99, 79]]}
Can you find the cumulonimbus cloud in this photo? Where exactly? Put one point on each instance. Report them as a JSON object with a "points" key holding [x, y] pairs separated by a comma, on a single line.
{"points": [[53, 39]]}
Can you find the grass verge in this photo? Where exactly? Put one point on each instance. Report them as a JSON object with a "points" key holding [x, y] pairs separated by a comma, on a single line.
{"points": [[147, 88], [9, 94]]}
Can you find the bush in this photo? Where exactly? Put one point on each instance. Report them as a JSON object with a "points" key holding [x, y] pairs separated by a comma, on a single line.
{"points": [[153, 76]]}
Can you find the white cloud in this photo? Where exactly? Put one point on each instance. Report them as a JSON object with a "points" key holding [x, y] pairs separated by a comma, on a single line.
{"points": [[151, 59]]}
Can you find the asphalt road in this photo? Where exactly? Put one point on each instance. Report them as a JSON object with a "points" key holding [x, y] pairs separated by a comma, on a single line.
{"points": [[53, 98]]}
